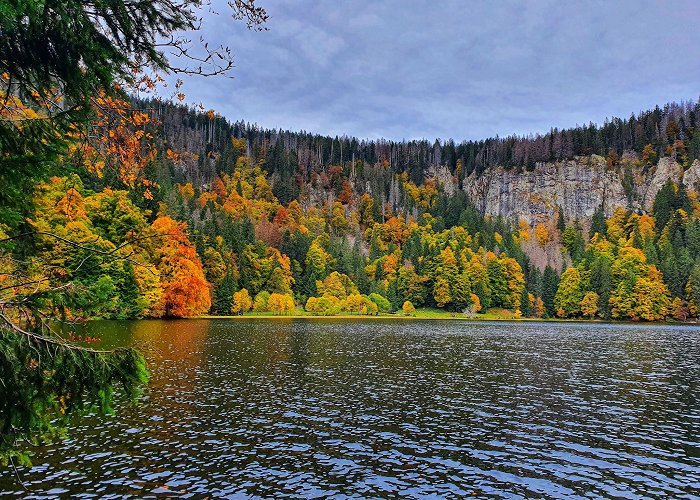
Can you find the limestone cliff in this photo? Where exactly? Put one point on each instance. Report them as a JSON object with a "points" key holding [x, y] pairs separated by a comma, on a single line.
{"points": [[579, 186]]}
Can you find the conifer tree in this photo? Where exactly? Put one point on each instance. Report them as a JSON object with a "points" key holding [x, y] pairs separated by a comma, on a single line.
{"points": [[598, 224], [550, 283]]}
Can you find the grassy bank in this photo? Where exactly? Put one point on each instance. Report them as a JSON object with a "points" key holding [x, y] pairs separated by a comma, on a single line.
{"points": [[422, 313]]}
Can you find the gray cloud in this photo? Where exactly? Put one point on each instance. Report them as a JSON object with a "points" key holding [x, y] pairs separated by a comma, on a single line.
{"points": [[414, 69]]}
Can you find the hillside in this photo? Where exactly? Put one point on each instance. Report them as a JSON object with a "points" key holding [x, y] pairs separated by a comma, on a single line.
{"points": [[231, 218], [192, 214]]}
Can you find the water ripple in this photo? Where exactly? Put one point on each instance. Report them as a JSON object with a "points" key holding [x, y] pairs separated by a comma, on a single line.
{"points": [[386, 409]]}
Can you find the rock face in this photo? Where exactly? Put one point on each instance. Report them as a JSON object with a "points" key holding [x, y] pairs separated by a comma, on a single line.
{"points": [[578, 186]]}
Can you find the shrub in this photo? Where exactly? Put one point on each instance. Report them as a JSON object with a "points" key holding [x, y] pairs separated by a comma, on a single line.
{"points": [[383, 305]]}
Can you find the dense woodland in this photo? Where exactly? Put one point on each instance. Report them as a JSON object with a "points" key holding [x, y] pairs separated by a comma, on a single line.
{"points": [[65, 67], [233, 219]]}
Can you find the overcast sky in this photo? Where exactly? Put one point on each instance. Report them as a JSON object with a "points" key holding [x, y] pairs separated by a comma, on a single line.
{"points": [[462, 70]]}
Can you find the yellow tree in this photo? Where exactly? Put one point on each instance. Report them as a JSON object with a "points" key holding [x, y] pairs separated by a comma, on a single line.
{"points": [[542, 234], [648, 155], [280, 303], [336, 285], [651, 296], [539, 307], [241, 302], [339, 221], [445, 277], [589, 304], [441, 292], [356, 303], [365, 209], [617, 225], [516, 280]]}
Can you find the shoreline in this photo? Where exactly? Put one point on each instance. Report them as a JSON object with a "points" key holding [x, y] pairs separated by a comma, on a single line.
{"points": [[442, 316]]}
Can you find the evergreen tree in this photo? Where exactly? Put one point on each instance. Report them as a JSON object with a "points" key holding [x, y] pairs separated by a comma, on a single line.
{"points": [[561, 223], [601, 284], [550, 283], [526, 306], [598, 223], [224, 294], [130, 302], [534, 282]]}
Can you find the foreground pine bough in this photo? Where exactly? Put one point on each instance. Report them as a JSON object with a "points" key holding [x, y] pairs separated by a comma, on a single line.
{"points": [[46, 381]]}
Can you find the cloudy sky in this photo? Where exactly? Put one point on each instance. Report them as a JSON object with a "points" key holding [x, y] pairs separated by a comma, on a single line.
{"points": [[452, 69]]}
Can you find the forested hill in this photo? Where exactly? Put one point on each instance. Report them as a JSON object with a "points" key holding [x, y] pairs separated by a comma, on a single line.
{"points": [[241, 218]]}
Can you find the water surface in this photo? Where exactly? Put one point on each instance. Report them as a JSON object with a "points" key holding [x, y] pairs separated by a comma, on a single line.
{"points": [[385, 408]]}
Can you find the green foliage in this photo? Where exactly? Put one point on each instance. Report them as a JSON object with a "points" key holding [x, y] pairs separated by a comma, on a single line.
{"points": [[693, 286], [223, 294], [383, 305], [60, 60], [250, 211], [550, 284], [45, 382], [669, 199], [561, 222], [598, 224], [260, 302], [572, 239], [572, 288], [601, 284], [498, 284], [411, 286]]}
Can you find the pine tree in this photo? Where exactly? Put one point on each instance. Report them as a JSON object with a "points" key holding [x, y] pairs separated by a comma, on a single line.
{"points": [[534, 282], [561, 223], [601, 284], [550, 283], [224, 294], [526, 305], [598, 224], [664, 203]]}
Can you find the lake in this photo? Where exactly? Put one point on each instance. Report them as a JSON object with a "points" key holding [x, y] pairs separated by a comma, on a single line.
{"points": [[386, 408]]}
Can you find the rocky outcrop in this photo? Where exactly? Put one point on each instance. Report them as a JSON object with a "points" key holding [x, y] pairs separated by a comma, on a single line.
{"points": [[691, 178], [444, 177], [578, 186], [649, 186]]}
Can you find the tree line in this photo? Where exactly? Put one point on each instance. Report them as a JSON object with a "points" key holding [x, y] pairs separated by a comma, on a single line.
{"points": [[295, 158]]}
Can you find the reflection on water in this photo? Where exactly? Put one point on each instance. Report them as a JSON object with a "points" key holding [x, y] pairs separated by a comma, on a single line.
{"points": [[391, 408]]}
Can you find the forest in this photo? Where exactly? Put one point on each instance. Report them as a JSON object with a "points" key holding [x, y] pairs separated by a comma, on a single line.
{"points": [[192, 243]]}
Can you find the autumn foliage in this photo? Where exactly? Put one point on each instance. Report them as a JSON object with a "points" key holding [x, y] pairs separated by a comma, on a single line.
{"points": [[185, 288], [250, 228]]}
